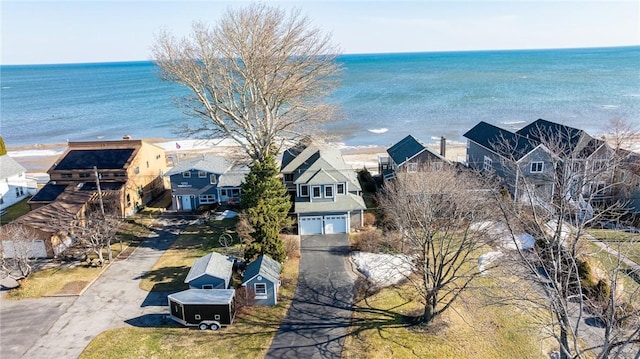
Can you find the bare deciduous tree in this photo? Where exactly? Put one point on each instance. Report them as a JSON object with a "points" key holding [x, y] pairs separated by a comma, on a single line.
{"points": [[437, 214], [259, 77], [17, 251], [557, 207]]}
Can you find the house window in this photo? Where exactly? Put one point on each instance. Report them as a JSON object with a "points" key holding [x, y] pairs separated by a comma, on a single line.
{"points": [[304, 191], [207, 198], [235, 193], [212, 179], [19, 191], [260, 289], [186, 174], [340, 188], [316, 192], [207, 286], [288, 177], [537, 167], [147, 164], [66, 175], [84, 175], [412, 167], [487, 164], [223, 192], [328, 191], [600, 165], [136, 170], [202, 174], [128, 200]]}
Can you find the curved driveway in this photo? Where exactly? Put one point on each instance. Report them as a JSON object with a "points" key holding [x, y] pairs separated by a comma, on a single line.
{"points": [[318, 320]]}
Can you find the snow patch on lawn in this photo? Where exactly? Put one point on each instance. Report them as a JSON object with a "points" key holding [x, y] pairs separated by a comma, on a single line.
{"points": [[382, 270]]}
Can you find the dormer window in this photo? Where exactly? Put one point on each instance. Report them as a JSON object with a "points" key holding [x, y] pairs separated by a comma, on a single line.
{"points": [[340, 188], [328, 191]]}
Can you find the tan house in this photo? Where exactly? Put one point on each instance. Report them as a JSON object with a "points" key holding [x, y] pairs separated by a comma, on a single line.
{"points": [[130, 175]]}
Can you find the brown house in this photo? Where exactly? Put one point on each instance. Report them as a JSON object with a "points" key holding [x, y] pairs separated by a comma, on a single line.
{"points": [[130, 175]]}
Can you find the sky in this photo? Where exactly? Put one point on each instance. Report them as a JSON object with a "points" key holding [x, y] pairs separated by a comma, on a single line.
{"points": [[48, 32]]}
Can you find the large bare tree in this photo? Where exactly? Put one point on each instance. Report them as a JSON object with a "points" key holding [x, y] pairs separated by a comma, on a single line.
{"points": [[260, 76], [16, 252], [438, 214], [571, 191]]}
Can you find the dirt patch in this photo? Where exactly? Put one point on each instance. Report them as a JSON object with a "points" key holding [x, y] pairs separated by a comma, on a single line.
{"points": [[73, 288]]}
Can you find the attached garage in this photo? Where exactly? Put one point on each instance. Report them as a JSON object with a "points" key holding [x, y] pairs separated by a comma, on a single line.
{"points": [[310, 225], [337, 223]]}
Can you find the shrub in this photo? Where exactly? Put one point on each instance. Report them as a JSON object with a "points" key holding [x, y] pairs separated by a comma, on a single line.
{"points": [[291, 245], [369, 219]]}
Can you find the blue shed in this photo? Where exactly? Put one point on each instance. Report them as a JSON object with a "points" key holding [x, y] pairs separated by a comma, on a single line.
{"points": [[212, 271], [262, 280]]}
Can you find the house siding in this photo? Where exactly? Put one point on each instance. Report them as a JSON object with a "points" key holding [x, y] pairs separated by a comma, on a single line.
{"points": [[217, 283], [270, 298]]}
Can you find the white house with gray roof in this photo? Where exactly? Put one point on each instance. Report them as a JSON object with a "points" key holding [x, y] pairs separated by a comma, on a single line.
{"points": [[205, 180], [212, 271], [14, 184], [325, 190]]}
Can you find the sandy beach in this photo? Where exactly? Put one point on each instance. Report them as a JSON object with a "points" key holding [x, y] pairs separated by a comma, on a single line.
{"points": [[38, 158]]}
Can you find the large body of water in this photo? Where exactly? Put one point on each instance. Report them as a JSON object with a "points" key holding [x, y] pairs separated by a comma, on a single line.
{"points": [[384, 97]]}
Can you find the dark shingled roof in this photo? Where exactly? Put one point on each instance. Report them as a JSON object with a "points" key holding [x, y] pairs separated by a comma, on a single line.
{"points": [[499, 140], [48, 193], [405, 149], [102, 159], [571, 141]]}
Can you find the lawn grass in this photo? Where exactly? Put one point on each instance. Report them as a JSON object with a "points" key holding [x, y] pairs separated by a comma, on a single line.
{"points": [[15, 211], [469, 329], [248, 337], [626, 243], [54, 281], [194, 241]]}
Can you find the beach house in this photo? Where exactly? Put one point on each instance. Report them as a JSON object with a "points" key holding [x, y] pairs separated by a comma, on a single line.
{"points": [[411, 155], [205, 180], [326, 194], [14, 184]]}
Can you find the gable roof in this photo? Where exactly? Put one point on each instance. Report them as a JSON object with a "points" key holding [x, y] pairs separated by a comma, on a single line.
{"points": [[206, 162], [108, 158], [500, 141], [64, 209], [570, 140], [10, 167], [234, 176], [213, 264], [309, 161], [264, 266], [407, 148]]}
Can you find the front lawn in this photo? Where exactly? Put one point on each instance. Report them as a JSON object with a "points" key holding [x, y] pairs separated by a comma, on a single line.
{"points": [[15, 211], [248, 337]]}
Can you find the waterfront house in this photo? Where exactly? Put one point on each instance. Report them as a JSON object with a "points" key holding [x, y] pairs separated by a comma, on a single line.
{"points": [[411, 155]]}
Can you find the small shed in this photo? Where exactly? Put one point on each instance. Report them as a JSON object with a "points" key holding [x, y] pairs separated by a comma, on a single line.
{"points": [[207, 309], [212, 271], [262, 280]]}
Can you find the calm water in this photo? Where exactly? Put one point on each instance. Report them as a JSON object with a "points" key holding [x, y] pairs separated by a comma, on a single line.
{"points": [[383, 97]]}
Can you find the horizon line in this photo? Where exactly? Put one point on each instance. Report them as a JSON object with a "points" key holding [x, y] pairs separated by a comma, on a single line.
{"points": [[344, 54]]}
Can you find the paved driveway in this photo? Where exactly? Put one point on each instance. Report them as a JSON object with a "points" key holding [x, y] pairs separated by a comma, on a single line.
{"points": [[113, 300], [318, 319]]}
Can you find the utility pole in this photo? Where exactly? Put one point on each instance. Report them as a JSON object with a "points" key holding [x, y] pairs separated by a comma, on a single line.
{"points": [[95, 169]]}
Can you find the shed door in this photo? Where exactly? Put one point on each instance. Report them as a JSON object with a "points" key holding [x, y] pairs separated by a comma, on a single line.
{"points": [[186, 203], [310, 225], [335, 224]]}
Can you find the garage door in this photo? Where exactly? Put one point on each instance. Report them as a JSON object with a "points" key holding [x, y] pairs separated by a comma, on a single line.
{"points": [[310, 225], [335, 224]]}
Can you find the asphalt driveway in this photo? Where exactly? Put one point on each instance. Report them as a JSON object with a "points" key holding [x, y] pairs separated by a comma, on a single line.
{"points": [[62, 327], [318, 319]]}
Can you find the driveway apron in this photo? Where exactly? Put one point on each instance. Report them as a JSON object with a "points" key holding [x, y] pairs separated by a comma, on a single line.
{"points": [[318, 320], [113, 300]]}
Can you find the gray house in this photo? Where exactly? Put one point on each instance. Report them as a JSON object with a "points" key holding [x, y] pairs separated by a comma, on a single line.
{"points": [[262, 280], [212, 271], [205, 180], [325, 190], [411, 155], [526, 154]]}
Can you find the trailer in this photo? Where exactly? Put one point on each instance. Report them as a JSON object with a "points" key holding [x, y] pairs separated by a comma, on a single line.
{"points": [[204, 308]]}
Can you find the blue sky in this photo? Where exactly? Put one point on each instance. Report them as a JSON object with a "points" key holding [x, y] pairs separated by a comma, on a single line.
{"points": [[36, 32]]}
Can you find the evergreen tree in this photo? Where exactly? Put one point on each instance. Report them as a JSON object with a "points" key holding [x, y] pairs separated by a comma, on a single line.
{"points": [[266, 204]]}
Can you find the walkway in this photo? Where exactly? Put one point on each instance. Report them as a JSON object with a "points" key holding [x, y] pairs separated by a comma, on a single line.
{"points": [[318, 320]]}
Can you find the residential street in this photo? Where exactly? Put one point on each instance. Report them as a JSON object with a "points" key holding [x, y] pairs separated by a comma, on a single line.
{"points": [[320, 313], [67, 325]]}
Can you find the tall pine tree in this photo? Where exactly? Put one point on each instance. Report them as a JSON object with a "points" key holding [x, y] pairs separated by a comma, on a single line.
{"points": [[266, 203]]}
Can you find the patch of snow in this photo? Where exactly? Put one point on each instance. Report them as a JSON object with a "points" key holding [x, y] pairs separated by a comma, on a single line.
{"points": [[382, 269], [499, 232], [226, 214], [486, 259]]}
